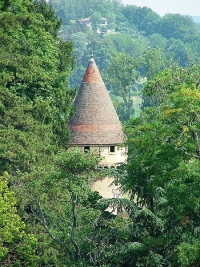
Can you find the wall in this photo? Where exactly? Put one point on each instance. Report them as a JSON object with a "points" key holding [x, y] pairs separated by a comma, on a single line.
{"points": [[109, 159], [112, 159]]}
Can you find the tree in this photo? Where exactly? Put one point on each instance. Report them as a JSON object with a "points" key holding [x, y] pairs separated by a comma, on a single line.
{"points": [[143, 18], [122, 74], [177, 26], [35, 103], [70, 10], [177, 48], [156, 40], [35, 62], [153, 61], [61, 216], [17, 248], [163, 164], [25, 141], [95, 19]]}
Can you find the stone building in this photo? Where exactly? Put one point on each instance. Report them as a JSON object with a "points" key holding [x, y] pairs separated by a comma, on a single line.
{"points": [[95, 126]]}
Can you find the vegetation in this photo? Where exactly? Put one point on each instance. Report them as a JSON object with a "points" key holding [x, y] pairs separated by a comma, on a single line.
{"points": [[16, 247], [48, 214], [154, 42], [163, 165], [35, 62]]}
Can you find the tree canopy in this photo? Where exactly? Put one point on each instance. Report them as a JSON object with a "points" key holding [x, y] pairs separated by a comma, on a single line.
{"points": [[35, 62], [48, 214], [130, 29], [163, 163], [17, 248]]}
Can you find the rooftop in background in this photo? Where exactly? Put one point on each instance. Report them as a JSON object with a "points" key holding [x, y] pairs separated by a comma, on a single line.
{"points": [[86, 20]]}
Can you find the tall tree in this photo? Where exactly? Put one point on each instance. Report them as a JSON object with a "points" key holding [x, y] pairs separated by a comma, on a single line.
{"points": [[143, 18], [25, 142], [17, 248], [177, 26], [35, 62], [153, 61], [60, 208], [122, 74], [163, 164]]}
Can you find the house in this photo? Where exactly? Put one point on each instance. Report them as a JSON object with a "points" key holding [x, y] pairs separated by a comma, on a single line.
{"points": [[102, 28]]}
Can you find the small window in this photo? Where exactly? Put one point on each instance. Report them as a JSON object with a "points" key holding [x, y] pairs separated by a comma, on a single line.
{"points": [[112, 149], [86, 149]]}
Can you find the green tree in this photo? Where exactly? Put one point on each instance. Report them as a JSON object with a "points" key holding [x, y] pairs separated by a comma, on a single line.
{"points": [[95, 20], [143, 18], [153, 61], [17, 248], [122, 74], [156, 40], [35, 62], [177, 26], [70, 10], [163, 165], [60, 209], [178, 50], [25, 142]]}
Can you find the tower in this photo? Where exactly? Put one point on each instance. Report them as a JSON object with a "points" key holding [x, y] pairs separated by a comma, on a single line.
{"points": [[95, 126]]}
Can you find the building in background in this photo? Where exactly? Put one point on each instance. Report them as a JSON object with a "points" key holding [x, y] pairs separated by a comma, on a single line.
{"points": [[102, 27]]}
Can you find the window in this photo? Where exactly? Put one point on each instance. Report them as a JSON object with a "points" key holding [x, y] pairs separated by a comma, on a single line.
{"points": [[86, 149], [112, 149]]}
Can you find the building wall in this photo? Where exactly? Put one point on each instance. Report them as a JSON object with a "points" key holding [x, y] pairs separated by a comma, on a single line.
{"points": [[109, 158], [113, 158], [105, 185]]}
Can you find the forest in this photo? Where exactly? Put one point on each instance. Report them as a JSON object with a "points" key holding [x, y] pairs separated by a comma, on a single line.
{"points": [[137, 39], [49, 217]]}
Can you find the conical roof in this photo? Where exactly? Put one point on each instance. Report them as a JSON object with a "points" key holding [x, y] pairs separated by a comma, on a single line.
{"points": [[95, 121]]}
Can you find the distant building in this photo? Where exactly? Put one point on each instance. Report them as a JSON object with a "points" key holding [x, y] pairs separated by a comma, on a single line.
{"points": [[102, 26], [85, 21]]}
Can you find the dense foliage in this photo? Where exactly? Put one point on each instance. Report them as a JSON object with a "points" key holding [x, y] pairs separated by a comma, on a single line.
{"points": [[48, 214], [135, 31], [35, 62], [16, 247], [35, 105], [163, 165]]}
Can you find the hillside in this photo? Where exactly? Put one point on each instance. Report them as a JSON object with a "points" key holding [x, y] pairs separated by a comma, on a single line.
{"points": [[115, 32]]}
